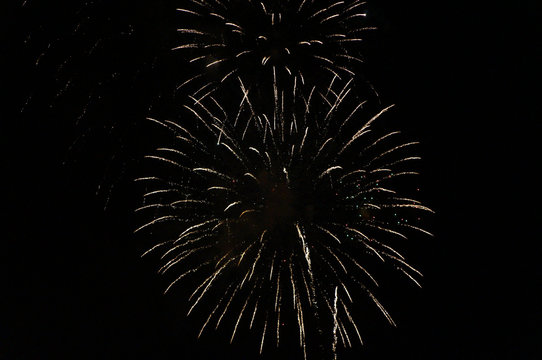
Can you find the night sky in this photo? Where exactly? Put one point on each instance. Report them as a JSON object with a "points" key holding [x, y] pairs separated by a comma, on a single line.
{"points": [[465, 79]]}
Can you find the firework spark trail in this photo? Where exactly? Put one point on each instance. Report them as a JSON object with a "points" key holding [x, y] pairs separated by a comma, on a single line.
{"points": [[335, 324], [267, 221]]}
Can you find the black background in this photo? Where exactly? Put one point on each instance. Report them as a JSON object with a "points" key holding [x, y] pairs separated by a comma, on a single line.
{"points": [[465, 77]]}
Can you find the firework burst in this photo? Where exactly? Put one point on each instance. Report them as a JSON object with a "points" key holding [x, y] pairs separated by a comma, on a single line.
{"points": [[279, 219], [256, 40]]}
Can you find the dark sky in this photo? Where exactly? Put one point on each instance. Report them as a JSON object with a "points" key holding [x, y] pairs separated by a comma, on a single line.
{"points": [[466, 81]]}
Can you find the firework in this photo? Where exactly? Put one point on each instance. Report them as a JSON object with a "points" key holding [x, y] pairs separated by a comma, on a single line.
{"points": [[280, 218], [84, 65], [258, 40]]}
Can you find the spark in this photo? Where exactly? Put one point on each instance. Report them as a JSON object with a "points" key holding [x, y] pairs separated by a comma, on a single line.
{"points": [[335, 324]]}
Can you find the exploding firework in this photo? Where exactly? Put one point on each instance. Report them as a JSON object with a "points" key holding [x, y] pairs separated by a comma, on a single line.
{"points": [[279, 219], [301, 39]]}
